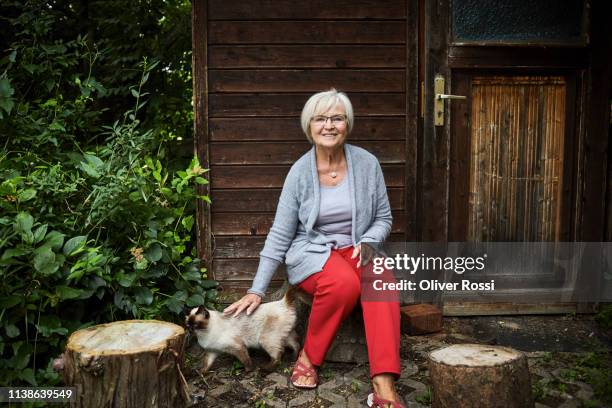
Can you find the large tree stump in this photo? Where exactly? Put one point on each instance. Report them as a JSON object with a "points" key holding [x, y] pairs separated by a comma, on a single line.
{"points": [[132, 363], [474, 375]]}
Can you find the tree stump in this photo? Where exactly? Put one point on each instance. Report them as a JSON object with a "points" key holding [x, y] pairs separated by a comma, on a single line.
{"points": [[132, 363], [474, 375], [349, 346]]}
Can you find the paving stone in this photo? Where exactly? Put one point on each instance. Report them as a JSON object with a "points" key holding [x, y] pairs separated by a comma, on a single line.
{"points": [[570, 404], [348, 385], [356, 391], [336, 400], [357, 401], [279, 379], [360, 375], [417, 388], [307, 396], [222, 389], [409, 369], [330, 385], [585, 392]]}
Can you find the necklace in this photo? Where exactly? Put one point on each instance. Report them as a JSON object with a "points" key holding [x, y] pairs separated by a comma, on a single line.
{"points": [[331, 172]]}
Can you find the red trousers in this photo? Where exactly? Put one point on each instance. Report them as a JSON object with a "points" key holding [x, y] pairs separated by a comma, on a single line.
{"points": [[335, 292]]}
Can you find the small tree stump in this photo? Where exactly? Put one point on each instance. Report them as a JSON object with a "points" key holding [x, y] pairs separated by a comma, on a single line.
{"points": [[349, 346], [474, 375], [132, 363]]}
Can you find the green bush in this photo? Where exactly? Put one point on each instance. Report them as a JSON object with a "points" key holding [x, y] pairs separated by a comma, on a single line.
{"points": [[95, 225]]}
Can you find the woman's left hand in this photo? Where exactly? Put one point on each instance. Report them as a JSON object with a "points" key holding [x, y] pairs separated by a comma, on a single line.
{"points": [[364, 257]]}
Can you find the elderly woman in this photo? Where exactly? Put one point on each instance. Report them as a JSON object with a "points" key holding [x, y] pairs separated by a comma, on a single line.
{"points": [[333, 200]]}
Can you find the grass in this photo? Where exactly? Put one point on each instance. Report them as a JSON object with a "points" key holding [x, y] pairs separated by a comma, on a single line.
{"points": [[355, 385], [426, 398], [593, 368], [539, 391], [604, 317]]}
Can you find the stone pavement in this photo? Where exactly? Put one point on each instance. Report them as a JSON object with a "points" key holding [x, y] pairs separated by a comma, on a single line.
{"points": [[347, 385]]}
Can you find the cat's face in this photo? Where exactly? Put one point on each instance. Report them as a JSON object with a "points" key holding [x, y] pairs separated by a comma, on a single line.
{"points": [[197, 319]]}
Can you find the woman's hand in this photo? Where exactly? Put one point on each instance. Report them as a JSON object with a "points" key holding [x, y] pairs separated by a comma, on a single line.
{"points": [[356, 253], [250, 301], [365, 256]]}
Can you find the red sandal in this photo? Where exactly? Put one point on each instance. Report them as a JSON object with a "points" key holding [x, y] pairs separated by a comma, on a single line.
{"points": [[301, 370], [374, 401]]}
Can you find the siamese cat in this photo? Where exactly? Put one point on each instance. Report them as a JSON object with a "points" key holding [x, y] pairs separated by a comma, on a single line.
{"points": [[269, 327]]}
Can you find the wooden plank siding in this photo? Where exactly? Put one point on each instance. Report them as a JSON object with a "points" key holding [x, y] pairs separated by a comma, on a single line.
{"points": [[265, 59], [199, 63]]}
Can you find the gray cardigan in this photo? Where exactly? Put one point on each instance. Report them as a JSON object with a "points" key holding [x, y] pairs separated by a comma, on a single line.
{"points": [[292, 238]]}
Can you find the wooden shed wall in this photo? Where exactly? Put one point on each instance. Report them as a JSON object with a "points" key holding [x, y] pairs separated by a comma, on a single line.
{"points": [[262, 62]]}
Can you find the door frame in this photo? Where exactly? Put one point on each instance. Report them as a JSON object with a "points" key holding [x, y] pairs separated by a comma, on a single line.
{"points": [[439, 56], [588, 66]]}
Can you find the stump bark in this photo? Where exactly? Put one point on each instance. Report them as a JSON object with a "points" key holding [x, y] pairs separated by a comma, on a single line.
{"points": [[132, 363], [474, 375], [349, 346]]}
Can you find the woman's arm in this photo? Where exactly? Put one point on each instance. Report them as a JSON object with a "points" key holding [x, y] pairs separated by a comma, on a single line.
{"points": [[381, 225], [278, 240], [273, 254]]}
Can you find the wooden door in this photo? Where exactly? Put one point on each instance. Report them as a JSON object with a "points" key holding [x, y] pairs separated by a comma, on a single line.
{"points": [[503, 164], [255, 64]]}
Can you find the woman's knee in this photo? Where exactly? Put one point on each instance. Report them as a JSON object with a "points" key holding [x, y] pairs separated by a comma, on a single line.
{"points": [[341, 282], [346, 291]]}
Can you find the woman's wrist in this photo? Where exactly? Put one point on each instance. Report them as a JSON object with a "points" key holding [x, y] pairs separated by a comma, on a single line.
{"points": [[256, 292]]}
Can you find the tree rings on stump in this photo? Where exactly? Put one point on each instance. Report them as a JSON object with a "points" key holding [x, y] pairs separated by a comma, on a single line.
{"points": [[474, 375], [132, 363]]}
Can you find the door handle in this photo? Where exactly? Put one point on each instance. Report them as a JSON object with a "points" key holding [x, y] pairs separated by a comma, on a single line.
{"points": [[439, 98], [446, 96]]}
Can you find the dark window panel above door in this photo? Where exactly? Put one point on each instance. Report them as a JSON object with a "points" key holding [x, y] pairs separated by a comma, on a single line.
{"points": [[519, 22]]}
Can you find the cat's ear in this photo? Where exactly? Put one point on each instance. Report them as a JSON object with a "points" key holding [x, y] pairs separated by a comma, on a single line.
{"points": [[203, 311]]}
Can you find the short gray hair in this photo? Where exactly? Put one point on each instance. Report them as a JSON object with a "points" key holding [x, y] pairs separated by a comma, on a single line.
{"points": [[320, 103]]}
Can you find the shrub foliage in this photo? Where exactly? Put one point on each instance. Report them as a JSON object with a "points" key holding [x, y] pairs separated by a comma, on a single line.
{"points": [[95, 223]]}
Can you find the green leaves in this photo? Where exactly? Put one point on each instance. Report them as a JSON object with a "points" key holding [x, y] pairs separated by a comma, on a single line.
{"points": [[6, 97], [49, 325], [187, 222], [85, 179], [175, 303], [7, 302], [44, 261], [74, 245], [26, 195], [154, 253], [54, 240], [92, 165], [143, 295], [11, 330], [23, 226], [195, 300], [66, 292]]}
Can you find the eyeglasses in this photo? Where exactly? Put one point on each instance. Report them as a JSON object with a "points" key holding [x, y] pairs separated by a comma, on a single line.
{"points": [[336, 120]]}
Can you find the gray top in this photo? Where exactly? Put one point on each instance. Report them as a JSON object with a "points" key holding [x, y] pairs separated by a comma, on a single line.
{"points": [[335, 218], [293, 238]]}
